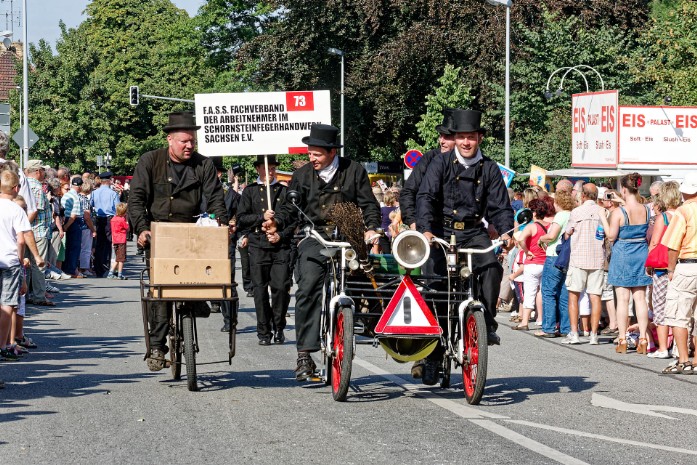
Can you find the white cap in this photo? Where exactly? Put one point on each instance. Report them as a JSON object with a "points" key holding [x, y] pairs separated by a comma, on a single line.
{"points": [[689, 184], [601, 192]]}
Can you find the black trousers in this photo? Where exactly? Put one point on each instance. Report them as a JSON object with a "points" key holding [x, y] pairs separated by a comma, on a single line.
{"points": [[311, 270], [486, 268], [228, 309], [102, 248], [244, 264], [269, 269]]}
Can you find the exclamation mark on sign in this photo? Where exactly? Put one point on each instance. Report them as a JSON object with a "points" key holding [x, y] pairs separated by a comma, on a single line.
{"points": [[407, 310]]}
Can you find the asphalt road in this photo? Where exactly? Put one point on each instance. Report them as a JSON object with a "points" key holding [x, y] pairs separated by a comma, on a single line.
{"points": [[86, 396]]}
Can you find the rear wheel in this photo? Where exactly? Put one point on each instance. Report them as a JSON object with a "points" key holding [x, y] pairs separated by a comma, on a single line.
{"points": [[189, 352], [475, 355], [342, 358], [329, 290]]}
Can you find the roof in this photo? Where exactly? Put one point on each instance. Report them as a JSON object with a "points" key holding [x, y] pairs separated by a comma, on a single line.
{"points": [[8, 73]]}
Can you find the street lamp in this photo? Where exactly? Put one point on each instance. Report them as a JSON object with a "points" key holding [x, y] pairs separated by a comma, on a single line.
{"points": [[508, 4], [336, 51]]}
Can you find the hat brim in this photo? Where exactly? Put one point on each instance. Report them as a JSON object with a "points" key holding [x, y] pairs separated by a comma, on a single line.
{"points": [[310, 141], [689, 189], [182, 127], [468, 129], [443, 130]]}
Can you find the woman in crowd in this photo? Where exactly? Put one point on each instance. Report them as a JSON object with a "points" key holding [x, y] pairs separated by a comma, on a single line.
{"points": [[89, 230], [555, 297], [391, 199], [535, 256], [669, 198], [611, 202], [627, 227]]}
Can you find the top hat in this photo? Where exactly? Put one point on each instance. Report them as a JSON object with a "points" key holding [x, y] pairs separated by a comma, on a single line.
{"points": [[323, 135], [444, 127], [181, 121], [466, 121], [260, 160], [218, 163]]}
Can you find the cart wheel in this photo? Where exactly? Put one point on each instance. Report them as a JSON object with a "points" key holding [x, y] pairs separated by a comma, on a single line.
{"points": [[475, 356], [445, 381], [189, 352], [175, 350], [328, 294], [343, 354]]}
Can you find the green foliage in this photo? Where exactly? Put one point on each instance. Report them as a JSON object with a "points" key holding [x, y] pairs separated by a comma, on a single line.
{"points": [[450, 93]]}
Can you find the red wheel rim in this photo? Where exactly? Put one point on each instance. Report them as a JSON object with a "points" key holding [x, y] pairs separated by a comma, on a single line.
{"points": [[338, 356], [470, 356]]}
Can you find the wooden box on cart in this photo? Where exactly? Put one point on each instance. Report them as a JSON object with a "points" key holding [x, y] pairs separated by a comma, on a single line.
{"points": [[195, 257]]}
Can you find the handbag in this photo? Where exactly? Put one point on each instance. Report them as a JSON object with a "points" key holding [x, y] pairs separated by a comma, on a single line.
{"points": [[658, 256], [563, 253]]}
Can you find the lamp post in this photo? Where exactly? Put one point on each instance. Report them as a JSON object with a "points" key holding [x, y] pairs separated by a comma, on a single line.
{"points": [[508, 4], [336, 51], [25, 81]]}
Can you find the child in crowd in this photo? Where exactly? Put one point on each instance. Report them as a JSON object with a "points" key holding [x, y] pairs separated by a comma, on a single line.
{"points": [[18, 343], [119, 230], [13, 224]]}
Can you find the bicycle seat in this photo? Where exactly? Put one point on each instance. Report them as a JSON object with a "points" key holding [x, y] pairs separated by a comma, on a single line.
{"points": [[330, 252]]}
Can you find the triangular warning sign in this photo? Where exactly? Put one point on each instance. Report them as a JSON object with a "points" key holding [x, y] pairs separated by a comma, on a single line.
{"points": [[407, 313]]}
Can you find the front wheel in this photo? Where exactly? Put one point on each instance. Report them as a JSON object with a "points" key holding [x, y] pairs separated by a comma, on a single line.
{"points": [[342, 357], [175, 359], [475, 355], [189, 352]]}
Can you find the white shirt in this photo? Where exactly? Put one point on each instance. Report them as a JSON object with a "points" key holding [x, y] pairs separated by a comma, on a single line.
{"points": [[328, 173], [13, 221], [25, 191]]}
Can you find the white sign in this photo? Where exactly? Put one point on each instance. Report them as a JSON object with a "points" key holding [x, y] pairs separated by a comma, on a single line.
{"points": [[594, 129], [658, 135], [258, 123]]}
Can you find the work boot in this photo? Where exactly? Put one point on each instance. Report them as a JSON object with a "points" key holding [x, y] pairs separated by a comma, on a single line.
{"points": [[417, 370], [279, 337], [156, 361], [306, 366], [493, 338], [430, 372]]}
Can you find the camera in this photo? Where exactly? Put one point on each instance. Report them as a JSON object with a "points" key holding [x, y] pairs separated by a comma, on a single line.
{"points": [[237, 170], [608, 196]]}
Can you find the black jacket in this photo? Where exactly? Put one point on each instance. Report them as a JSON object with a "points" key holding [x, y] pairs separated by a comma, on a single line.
{"points": [[250, 214], [449, 192], [407, 198], [349, 184], [156, 196], [232, 203]]}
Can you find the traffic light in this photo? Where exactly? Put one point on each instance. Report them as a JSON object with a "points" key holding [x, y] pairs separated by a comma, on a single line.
{"points": [[135, 98]]}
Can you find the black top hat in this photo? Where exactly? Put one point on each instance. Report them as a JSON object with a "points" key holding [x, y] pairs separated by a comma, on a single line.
{"points": [[181, 121], [466, 121], [444, 127], [260, 160], [323, 135], [105, 175], [218, 163]]}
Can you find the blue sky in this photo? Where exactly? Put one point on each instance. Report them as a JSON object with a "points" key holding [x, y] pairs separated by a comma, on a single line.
{"points": [[44, 15]]}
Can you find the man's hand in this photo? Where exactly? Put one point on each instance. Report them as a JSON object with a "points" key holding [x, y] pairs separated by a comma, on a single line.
{"points": [[244, 242], [507, 243], [61, 234], [273, 238], [26, 263], [412, 226], [269, 226], [40, 262], [144, 238], [371, 237], [268, 215], [429, 236]]}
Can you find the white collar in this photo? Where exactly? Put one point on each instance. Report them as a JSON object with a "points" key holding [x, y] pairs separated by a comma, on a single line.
{"points": [[467, 162], [273, 181], [328, 173]]}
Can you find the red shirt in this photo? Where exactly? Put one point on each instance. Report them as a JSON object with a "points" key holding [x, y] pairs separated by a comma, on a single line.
{"points": [[119, 229], [540, 255]]}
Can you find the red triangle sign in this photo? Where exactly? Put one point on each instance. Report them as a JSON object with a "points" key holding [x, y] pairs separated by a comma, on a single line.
{"points": [[407, 313]]}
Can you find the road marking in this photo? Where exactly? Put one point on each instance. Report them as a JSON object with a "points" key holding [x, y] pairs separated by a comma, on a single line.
{"points": [[528, 443], [478, 417], [604, 438], [600, 400]]}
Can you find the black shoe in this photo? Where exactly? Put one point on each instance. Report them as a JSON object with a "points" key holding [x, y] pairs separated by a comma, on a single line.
{"points": [[306, 367], [225, 329], [250, 294], [264, 341], [493, 338], [430, 372], [417, 370], [156, 361], [215, 308], [279, 338]]}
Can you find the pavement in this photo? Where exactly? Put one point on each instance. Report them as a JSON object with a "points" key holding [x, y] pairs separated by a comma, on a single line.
{"points": [[86, 396]]}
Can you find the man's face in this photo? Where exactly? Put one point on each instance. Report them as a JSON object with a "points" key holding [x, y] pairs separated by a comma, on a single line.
{"points": [[468, 143], [181, 145], [447, 142], [261, 170], [320, 157]]}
